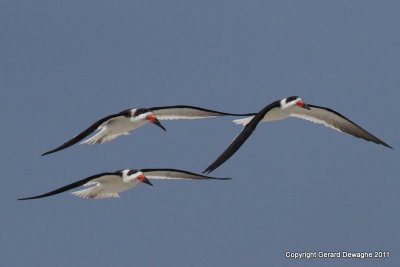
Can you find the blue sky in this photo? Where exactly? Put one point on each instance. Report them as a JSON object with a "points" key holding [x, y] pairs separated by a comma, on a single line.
{"points": [[297, 186]]}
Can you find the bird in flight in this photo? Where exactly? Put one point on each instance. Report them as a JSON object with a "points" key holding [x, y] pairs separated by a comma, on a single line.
{"points": [[125, 121], [293, 106], [109, 184]]}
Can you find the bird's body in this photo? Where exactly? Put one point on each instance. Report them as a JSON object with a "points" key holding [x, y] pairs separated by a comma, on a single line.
{"points": [[293, 107], [274, 113], [110, 184], [116, 126], [112, 126]]}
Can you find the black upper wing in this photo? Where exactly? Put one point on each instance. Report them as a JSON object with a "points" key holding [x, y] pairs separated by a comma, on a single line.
{"points": [[176, 174], [189, 112], [86, 132], [241, 138], [337, 121], [70, 186]]}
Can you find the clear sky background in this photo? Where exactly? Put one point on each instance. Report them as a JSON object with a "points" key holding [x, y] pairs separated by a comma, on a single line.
{"points": [[297, 186]]}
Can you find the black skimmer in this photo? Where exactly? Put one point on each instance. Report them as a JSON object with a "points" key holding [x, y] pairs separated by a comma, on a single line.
{"points": [[109, 184], [122, 123], [293, 106]]}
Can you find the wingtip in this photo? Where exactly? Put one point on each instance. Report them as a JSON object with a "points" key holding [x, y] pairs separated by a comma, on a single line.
{"points": [[386, 145], [29, 198], [49, 152]]}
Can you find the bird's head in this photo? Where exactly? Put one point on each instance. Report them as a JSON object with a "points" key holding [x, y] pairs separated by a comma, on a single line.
{"points": [[147, 115], [293, 101], [137, 175]]}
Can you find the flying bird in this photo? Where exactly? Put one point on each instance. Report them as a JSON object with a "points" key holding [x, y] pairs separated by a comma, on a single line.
{"points": [[109, 184], [293, 106], [122, 123]]}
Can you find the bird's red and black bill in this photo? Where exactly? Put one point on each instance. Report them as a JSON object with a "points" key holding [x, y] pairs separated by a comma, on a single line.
{"points": [[301, 104], [143, 179], [153, 119]]}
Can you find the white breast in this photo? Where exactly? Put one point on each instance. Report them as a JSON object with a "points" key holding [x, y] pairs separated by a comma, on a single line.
{"points": [[124, 124], [118, 187], [105, 187]]}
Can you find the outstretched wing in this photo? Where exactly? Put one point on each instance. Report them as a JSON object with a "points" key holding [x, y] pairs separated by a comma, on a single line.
{"points": [[85, 133], [188, 112], [94, 179], [176, 174], [336, 121], [241, 138]]}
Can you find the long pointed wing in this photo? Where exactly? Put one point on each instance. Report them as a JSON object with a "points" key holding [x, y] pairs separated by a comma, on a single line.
{"points": [[176, 174], [188, 112], [336, 121], [241, 138], [82, 135], [94, 178]]}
